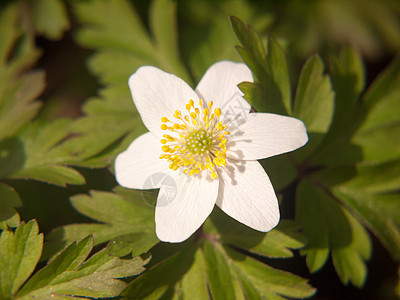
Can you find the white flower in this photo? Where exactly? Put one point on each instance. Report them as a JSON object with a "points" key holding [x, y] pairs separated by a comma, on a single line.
{"points": [[208, 142]]}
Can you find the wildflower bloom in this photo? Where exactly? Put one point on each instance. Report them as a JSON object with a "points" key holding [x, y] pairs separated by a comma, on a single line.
{"points": [[208, 142]]}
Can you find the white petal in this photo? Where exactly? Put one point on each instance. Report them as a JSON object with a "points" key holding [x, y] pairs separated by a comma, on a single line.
{"points": [[158, 94], [180, 213], [264, 135], [139, 166], [246, 194], [219, 84]]}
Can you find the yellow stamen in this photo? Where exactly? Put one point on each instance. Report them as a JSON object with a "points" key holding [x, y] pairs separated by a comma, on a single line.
{"points": [[198, 141]]}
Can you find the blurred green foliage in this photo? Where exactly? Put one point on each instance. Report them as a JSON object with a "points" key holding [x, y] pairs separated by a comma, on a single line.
{"points": [[338, 191]]}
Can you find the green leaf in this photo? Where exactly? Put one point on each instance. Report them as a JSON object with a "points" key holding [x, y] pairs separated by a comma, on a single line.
{"points": [[69, 275], [269, 282], [17, 102], [17, 51], [125, 220], [164, 29], [122, 45], [221, 270], [111, 124], [220, 279], [324, 224], [329, 227], [382, 123], [9, 200], [28, 150], [348, 76], [50, 18], [314, 102], [19, 253], [276, 243], [194, 280], [113, 25], [38, 153], [374, 29], [380, 212], [349, 261], [214, 36], [268, 64], [158, 280], [387, 82], [348, 83], [18, 91], [281, 170], [371, 179]]}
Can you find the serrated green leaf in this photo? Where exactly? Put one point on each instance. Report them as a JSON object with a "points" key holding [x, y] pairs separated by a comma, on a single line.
{"points": [[13, 60], [194, 281], [122, 220], [19, 253], [349, 261], [348, 77], [268, 64], [123, 44], [38, 153], [17, 102], [380, 145], [158, 280], [323, 222], [328, 226], [164, 29], [281, 170], [276, 243], [363, 133], [269, 282], [9, 200], [120, 125], [385, 113], [214, 36], [381, 124], [374, 29], [69, 275], [371, 179], [18, 91], [380, 212], [314, 102], [50, 18], [219, 276], [113, 25], [387, 82], [224, 272], [276, 61]]}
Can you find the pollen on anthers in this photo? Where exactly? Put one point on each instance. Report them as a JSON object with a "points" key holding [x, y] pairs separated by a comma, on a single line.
{"points": [[195, 141]]}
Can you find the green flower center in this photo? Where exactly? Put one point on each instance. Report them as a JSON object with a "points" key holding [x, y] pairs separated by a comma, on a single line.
{"points": [[198, 141]]}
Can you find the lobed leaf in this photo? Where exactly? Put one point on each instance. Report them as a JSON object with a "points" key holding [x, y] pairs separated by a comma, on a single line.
{"points": [[68, 275], [277, 243], [9, 200], [269, 66], [221, 270], [19, 254], [37, 152], [122, 45], [50, 18], [329, 227], [314, 102], [124, 218], [380, 212]]}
